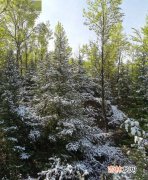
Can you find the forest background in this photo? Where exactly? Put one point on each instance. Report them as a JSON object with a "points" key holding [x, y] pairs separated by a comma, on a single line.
{"points": [[65, 116]]}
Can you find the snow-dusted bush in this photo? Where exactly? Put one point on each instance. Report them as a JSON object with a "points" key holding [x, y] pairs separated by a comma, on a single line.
{"points": [[61, 172], [133, 128]]}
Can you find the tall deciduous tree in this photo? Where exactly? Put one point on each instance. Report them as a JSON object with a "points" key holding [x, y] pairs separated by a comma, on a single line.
{"points": [[43, 36], [101, 17], [18, 22]]}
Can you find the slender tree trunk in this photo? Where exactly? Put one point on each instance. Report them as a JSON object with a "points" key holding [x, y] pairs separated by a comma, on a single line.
{"points": [[26, 56], [102, 76], [41, 55], [19, 61], [103, 90], [21, 65], [18, 56], [35, 58], [118, 78]]}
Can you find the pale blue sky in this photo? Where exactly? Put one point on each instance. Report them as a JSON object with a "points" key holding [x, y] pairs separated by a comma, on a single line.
{"points": [[70, 14]]}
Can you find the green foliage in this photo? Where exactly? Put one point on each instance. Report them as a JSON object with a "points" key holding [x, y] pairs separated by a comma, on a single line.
{"points": [[138, 157], [51, 101], [37, 5]]}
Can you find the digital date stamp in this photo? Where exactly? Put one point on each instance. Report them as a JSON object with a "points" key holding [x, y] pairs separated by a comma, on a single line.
{"points": [[122, 169]]}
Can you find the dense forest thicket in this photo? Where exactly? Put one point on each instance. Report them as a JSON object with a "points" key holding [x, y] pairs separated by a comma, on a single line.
{"points": [[70, 117]]}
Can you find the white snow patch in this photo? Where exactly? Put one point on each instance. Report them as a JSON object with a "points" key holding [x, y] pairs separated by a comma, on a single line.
{"points": [[21, 110], [19, 148], [12, 139], [34, 134], [72, 146], [118, 116], [24, 156]]}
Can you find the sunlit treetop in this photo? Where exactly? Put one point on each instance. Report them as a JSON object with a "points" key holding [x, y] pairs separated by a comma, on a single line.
{"points": [[37, 4]]}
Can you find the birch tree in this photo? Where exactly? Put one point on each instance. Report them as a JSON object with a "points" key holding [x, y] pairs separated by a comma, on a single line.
{"points": [[101, 17]]}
